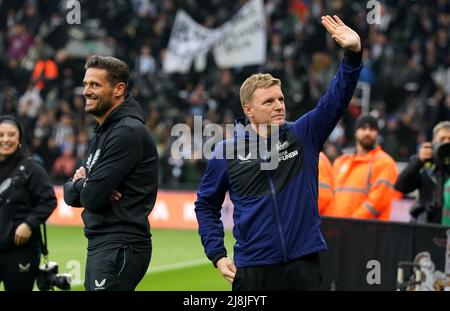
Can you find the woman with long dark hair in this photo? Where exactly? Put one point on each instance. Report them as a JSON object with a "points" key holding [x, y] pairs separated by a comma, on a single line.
{"points": [[27, 199]]}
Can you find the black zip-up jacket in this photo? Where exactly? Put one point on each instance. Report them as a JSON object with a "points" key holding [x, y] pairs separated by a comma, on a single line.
{"points": [[428, 208], [122, 156], [27, 196]]}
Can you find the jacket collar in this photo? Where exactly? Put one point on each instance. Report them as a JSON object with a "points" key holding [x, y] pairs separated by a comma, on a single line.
{"points": [[244, 130], [129, 107]]}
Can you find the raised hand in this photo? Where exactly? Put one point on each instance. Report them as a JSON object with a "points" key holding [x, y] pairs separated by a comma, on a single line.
{"points": [[341, 33]]}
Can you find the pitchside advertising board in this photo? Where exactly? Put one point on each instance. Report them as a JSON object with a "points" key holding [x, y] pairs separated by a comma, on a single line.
{"points": [[362, 254], [378, 255], [173, 209]]}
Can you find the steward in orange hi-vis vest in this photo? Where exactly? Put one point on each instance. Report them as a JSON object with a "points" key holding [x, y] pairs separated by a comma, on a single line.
{"points": [[364, 185], [325, 183], [364, 181]]}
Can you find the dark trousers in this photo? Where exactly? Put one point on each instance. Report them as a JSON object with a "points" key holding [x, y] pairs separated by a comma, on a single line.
{"points": [[19, 267], [119, 268], [296, 275]]}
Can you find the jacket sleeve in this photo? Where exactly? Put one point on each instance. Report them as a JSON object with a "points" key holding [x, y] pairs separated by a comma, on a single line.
{"points": [[210, 197], [409, 179], [42, 194], [315, 126], [120, 155], [72, 194], [381, 189]]}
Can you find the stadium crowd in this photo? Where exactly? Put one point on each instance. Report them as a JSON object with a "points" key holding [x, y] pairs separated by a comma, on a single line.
{"points": [[406, 64]]}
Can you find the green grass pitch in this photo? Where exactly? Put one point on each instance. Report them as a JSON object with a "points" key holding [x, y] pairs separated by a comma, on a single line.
{"points": [[178, 262]]}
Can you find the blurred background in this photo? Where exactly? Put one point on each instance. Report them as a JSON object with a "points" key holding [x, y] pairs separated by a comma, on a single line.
{"points": [[405, 82]]}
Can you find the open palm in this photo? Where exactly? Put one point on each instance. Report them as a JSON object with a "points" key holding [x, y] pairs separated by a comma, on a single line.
{"points": [[341, 33]]}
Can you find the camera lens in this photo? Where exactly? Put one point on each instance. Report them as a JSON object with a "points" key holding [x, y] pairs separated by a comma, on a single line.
{"points": [[62, 281], [48, 277], [443, 155]]}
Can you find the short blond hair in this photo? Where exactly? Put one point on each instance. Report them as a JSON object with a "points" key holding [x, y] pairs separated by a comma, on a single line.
{"points": [[256, 81], [440, 126]]}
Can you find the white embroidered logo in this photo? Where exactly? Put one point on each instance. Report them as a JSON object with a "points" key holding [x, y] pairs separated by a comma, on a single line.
{"points": [[100, 285], [245, 159], [281, 146], [25, 267], [5, 184], [91, 160]]}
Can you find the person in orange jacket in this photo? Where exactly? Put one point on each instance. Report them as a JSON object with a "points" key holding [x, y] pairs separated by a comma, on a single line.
{"points": [[364, 181], [325, 183]]}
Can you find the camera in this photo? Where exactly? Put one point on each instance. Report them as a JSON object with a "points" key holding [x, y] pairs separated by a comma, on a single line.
{"points": [[48, 277], [441, 155]]}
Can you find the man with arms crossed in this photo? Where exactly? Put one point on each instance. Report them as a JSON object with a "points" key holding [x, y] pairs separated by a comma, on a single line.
{"points": [[118, 182]]}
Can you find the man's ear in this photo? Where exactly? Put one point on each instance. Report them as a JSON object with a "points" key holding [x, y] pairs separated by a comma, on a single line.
{"points": [[248, 111], [120, 89]]}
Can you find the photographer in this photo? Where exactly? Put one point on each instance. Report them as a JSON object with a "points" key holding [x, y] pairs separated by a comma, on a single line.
{"points": [[429, 171], [27, 199]]}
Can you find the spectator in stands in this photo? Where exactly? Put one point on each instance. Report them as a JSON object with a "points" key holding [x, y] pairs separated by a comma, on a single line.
{"points": [[197, 101], [19, 41], [29, 16], [44, 74], [81, 147], [30, 103], [27, 199], [364, 181], [64, 165], [43, 143], [63, 130], [431, 176], [145, 63]]}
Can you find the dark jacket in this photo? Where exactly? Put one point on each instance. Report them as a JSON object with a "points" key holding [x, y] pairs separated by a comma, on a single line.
{"points": [[275, 216], [122, 157], [428, 180], [25, 196]]}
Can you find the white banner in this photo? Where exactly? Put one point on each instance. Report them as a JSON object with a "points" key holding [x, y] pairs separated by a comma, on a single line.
{"points": [[188, 39], [245, 41], [239, 42]]}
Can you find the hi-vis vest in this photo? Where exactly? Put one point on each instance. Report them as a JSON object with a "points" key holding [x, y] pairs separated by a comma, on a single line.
{"points": [[364, 185], [325, 183], [44, 70]]}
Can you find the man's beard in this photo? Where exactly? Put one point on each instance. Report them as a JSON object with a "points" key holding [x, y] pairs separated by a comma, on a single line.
{"points": [[367, 143], [101, 107]]}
